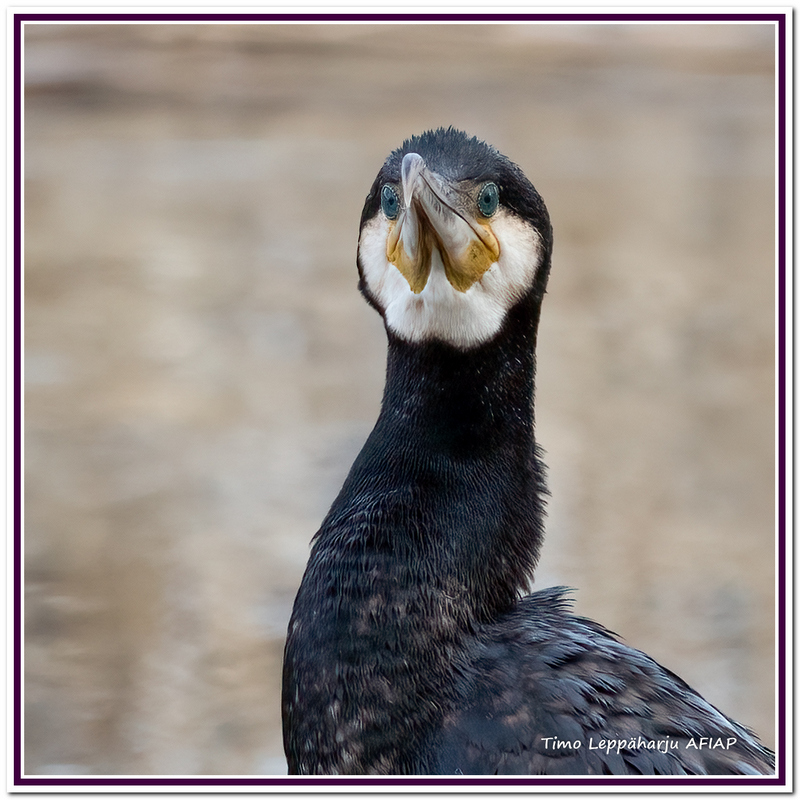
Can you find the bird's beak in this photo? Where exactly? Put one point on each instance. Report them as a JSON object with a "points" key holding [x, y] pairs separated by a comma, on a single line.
{"points": [[435, 216]]}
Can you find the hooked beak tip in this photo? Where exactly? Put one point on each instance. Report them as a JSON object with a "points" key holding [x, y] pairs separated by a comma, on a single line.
{"points": [[412, 165]]}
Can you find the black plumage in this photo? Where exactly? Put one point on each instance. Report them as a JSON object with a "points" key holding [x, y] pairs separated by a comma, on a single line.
{"points": [[412, 648]]}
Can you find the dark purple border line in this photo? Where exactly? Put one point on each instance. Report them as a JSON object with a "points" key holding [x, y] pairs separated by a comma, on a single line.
{"points": [[577, 781], [389, 17], [17, 401], [783, 531]]}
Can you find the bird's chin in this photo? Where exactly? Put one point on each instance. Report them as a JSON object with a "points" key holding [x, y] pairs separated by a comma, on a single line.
{"points": [[438, 310]]}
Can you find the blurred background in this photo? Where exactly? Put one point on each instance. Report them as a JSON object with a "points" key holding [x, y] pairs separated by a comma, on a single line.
{"points": [[201, 370]]}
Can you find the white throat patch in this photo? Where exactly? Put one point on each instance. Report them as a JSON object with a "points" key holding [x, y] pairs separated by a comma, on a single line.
{"points": [[463, 319]]}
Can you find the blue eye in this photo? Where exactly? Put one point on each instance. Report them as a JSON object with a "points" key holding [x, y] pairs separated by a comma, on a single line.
{"points": [[390, 204], [488, 199]]}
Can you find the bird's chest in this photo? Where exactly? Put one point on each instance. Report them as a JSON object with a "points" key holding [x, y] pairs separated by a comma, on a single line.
{"points": [[367, 676]]}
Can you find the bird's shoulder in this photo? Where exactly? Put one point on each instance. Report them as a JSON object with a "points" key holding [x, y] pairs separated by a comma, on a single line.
{"points": [[545, 692]]}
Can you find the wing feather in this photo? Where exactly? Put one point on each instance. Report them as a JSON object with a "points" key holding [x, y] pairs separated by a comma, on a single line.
{"points": [[545, 692]]}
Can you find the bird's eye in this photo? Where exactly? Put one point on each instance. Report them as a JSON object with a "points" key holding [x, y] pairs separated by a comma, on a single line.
{"points": [[390, 204], [488, 199]]}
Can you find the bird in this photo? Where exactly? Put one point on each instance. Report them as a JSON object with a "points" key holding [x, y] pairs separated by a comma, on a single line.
{"points": [[414, 646]]}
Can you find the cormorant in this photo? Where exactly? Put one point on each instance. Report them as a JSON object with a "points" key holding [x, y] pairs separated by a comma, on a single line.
{"points": [[412, 647]]}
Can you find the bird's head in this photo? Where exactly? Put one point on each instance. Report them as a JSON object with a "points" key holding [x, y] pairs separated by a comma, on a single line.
{"points": [[453, 235]]}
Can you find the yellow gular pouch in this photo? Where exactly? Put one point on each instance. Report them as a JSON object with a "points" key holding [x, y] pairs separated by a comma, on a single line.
{"points": [[415, 270], [463, 269], [479, 255]]}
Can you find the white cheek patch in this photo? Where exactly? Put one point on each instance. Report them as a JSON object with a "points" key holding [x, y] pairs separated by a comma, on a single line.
{"points": [[463, 319]]}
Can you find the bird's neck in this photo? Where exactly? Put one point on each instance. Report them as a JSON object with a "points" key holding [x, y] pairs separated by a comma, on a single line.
{"points": [[436, 530], [448, 484], [458, 407]]}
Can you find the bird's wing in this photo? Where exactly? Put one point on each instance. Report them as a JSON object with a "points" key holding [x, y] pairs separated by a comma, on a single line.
{"points": [[548, 693]]}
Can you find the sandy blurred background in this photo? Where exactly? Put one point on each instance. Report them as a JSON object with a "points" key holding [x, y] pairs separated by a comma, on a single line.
{"points": [[200, 369]]}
